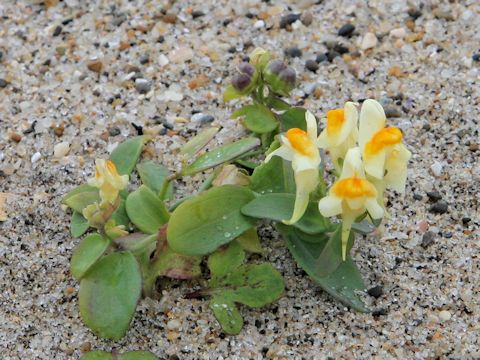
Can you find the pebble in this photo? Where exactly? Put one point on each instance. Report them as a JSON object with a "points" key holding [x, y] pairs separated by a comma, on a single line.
{"points": [[321, 58], [172, 94], [306, 18], [35, 157], [3, 83], [376, 291], [61, 149], [398, 33], [332, 55], [162, 60], [440, 207], [476, 57], [197, 13], [95, 66], [293, 52], [444, 315], [369, 41], [173, 324], [434, 195], [346, 30], [143, 86], [259, 24], [392, 112], [202, 118], [423, 226], [311, 65], [436, 169], [57, 31], [114, 131], [417, 197], [169, 18], [414, 13], [145, 58], [288, 20], [15, 137], [180, 55], [427, 239]]}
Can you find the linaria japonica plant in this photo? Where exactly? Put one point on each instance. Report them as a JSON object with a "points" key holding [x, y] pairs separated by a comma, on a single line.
{"points": [[275, 173]]}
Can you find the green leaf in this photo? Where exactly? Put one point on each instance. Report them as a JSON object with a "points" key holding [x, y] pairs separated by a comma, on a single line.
{"points": [[227, 314], [97, 355], [146, 211], [137, 355], [109, 293], [277, 103], [87, 252], [126, 154], [344, 284], [77, 190], [153, 175], [198, 142], [137, 242], [79, 225], [202, 224], [231, 94], [81, 200], [258, 118], [221, 155], [175, 266], [120, 215], [278, 207], [249, 241], [293, 118], [363, 227], [226, 259]]}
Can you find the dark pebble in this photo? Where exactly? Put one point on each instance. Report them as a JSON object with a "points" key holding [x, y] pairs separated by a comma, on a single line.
{"points": [[332, 55], [346, 30], [293, 52], [67, 21], [206, 119], [197, 14], [311, 65], [392, 112], [440, 207], [288, 20], [434, 196], [173, 357], [417, 197], [114, 131], [163, 131], [57, 31], [466, 220], [380, 312], [232, 50], [376, 291], [138, 128], [3, 83], [427, 239], [426, 127], [1, 55], [161, 39], [321, 58], [476, 57], [448, 235], [341, 49], [414, 13], [145, 58]]}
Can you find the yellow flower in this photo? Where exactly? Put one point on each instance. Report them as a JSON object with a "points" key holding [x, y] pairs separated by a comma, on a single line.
{"points": [[299, 147], [340, 133], [107, 180], [382, 147], [351, 195], [114, 231]]}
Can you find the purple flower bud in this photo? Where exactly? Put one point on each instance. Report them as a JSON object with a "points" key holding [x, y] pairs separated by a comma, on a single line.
{"points": [[288, 76], [246, 68], [276, 66], [241, 81]]}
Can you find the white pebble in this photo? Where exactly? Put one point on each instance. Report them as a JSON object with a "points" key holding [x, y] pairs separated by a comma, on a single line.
{"points": [[369, 41], [398, 33], [61, 149], [444, 315], [437, 169], [259, 24], [180, 55], [162, 60], [173, 324], [36, 157]]}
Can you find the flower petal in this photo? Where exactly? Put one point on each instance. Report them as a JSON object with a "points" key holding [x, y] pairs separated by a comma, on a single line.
{"points": [[352, 164], [330, 205], [305, 182], [311, 125], [373, 208], [283, 151], [372, 119], [375, 164], [303, 162]]}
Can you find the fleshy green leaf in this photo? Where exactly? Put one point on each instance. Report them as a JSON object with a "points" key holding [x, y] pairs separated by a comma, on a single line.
{"points": [[202, 224], [221, 155], [278, 207], [126, 154], [77, 190], [231, 94], [87, 252], [227, 314], [277, 103], [81, 200], [97, 355], [198, 142], [109, 293], [120, 215], [258, 118], [79, 225], [293, 118], [226, 259], [153, 175], [363, 227], [137, 355], [146, 211], [249, 241], [344, 284]]}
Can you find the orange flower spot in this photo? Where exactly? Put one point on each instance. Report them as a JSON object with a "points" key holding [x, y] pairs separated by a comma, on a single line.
{"points": [[112, 169], [300, 141], [335, 120], [383, 138], [353, 188]]}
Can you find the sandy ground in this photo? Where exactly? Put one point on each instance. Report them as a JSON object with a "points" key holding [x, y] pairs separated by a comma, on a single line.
{"points": [[423, 68]]}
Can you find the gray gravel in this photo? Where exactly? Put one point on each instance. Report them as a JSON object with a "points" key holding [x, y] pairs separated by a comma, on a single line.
{"points": [[69, 75]]}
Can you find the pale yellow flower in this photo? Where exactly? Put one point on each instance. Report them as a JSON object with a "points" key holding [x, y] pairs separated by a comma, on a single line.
{"points": [[340, 133], [350, 196], [384, 155], [300, 148], [107, 180]]}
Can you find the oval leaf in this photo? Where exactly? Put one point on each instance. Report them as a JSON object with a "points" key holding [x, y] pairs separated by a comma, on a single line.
{"points": [[198, 142], [202, 224], [226, 259], [249, 241], [78, 225], [146, 211], [79, 189], [258, 118], [231, 94], [126, 154], [81, 200], [293, 118], [137, 355], [227, 314], [97, 355], [153, 175], [87, 253], [221, 155], [109, 293]]}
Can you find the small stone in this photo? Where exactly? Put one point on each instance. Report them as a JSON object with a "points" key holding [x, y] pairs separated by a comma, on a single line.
{"points": [[288, 20], [341, 49], [376, 291], [392, 112], [417, 197], [321, 58], [173, 95], [180, 55], [162, 60], [15, 137], [423, 226], [174, 324], [259, 24], [202, 118], [293, 52], [145, 58], [434, 196], [35, 157], [466, 220], [85, 347], [332, 55], [476, 57], [414, 13], [369, 41], [3, 83], [114, 131], [169, 18], [442, 14], [396, 71], [95, 66], [311, 65], [197, 13], [440, 207], [306, 18], [59, 130], [61, 149], [398, 33], [143, 86], [57, 31], [444, 315], [172, 335], [427, 239], [346, 30], [436, 169]]}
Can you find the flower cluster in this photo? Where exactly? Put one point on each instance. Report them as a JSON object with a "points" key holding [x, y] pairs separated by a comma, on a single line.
{"points": [[369, 158]]}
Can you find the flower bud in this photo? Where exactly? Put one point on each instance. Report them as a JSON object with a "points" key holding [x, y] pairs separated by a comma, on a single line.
{"points": [[246, 68], [276, 66], [289, 77], [280, 77], [241, 82]]}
